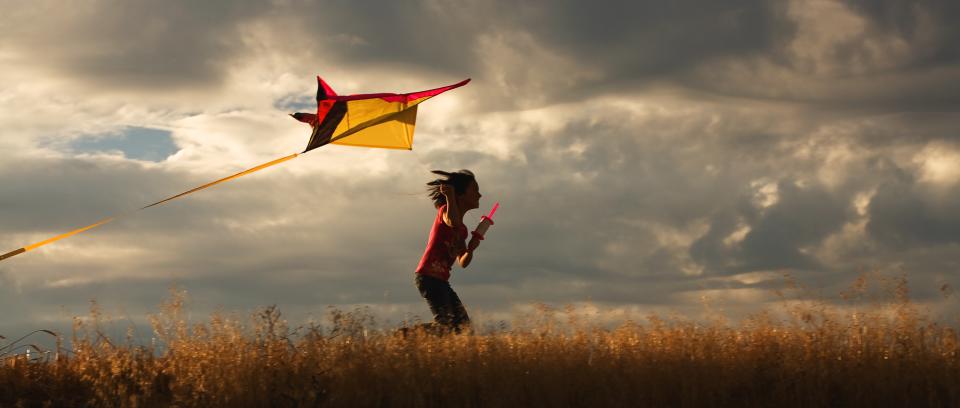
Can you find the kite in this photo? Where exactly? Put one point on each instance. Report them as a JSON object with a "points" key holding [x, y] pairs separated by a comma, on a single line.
{"points": [[381, 120]]}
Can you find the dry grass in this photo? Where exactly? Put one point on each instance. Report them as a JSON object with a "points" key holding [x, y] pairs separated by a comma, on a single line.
{"points": [[809, 355]]}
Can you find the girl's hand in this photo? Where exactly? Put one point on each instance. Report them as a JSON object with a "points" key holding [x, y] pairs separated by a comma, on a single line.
{"points": [[473, 244], [467, 255]]}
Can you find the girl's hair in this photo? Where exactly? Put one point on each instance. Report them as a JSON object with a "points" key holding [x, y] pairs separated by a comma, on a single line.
{"points": [[460, 180]]}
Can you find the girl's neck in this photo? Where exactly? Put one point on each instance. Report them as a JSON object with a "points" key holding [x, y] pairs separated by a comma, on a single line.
{"points": [[458, 215]]}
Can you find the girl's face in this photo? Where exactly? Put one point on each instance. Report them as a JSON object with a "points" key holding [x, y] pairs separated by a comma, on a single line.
{"points": [[470, 199]]}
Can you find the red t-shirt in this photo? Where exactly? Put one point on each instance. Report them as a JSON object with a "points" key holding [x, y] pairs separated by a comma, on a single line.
{"points": [[443, 247]]}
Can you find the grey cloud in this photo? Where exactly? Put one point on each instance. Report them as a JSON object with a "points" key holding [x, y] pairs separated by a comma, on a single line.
{"points": [[532, 54], [646, 170], [904, 214], [132, 44], [894, 59], [802, 217], [51, 195], [418, 34], [635, 42], [906, 129], [917, 19], [649, 38]]}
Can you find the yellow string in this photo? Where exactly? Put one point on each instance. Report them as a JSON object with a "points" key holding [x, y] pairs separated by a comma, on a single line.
{"points": [[108, 219]]}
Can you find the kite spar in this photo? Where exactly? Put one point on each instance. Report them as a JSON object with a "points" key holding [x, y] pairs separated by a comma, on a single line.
{"points": [[382, 120]]}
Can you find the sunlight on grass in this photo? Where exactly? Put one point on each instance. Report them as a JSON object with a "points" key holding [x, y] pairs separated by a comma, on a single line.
{"points": [[879, 352]]}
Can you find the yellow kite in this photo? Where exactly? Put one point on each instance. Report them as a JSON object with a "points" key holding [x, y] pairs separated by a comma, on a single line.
{"points": [[384, 120]]}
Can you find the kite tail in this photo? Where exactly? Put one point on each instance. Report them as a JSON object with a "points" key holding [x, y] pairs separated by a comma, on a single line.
{"points": [[12, 253], [106, 220], [225, 179]]}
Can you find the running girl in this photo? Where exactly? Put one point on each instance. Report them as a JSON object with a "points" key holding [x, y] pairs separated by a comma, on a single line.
{"points": [[453, 195]]}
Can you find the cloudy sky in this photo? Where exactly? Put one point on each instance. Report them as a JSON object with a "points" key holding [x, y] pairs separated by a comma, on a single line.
{"points": [[647, 155]]}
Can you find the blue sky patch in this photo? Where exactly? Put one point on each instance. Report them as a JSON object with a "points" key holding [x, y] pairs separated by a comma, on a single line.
{"points": [[135, 142], [296, 103]]}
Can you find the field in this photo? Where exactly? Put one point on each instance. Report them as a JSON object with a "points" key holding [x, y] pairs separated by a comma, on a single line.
{"points": [[882, 353]]}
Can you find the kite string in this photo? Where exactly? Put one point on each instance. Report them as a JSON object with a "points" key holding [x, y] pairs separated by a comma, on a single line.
{"points": [[26, 248]]}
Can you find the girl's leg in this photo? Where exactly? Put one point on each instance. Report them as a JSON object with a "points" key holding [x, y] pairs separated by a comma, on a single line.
{"points": [[459, 317], [437, 293]]}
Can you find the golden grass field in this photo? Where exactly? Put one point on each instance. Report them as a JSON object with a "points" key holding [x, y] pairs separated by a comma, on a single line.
{"points": [[882, 353]]}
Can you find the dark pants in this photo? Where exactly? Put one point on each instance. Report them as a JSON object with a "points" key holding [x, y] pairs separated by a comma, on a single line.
{"points": [[448, 311]]}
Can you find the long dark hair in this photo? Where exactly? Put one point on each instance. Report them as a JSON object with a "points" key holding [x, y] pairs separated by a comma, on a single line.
{"points": [[460, 180]]}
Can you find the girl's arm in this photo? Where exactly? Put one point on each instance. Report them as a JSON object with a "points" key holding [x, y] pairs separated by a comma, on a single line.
{"points": [[451, 216], [467, 256]]}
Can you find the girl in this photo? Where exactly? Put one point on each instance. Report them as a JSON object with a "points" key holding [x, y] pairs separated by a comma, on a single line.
{"points": [[453, 195]]}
